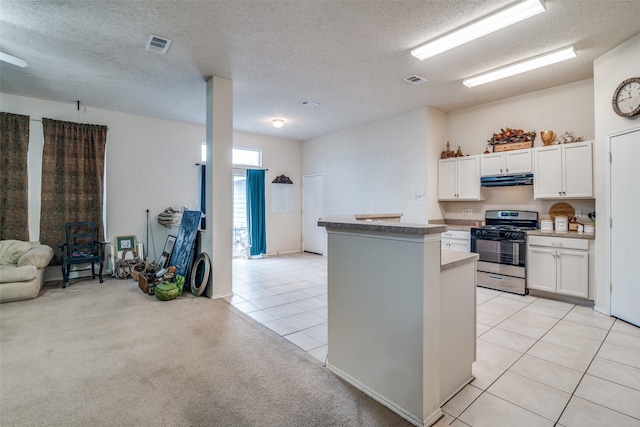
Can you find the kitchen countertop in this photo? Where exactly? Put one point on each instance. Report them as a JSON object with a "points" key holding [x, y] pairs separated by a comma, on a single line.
{"points": [[569, 234], [451, 259], [348, 222]]}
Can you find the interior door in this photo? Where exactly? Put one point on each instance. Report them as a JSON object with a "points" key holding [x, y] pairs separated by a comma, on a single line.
{"points": [[313, 237], [625, 233]]}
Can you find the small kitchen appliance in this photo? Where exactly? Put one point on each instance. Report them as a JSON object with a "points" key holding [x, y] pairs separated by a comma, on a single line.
{"points": [[502, 248]]}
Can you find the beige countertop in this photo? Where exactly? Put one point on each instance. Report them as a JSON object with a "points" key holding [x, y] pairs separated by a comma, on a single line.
{"points": [[348, 222], [569, 234], [452, 259]]}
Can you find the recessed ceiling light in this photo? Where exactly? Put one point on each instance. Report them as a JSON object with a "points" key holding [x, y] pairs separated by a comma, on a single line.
{"points": [[13, 60], [277, 123], [522, 67], [518, 12]]}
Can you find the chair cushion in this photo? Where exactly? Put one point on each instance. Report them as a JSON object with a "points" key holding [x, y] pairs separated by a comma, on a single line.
{"points": [[38, 256], [11, 250], [10, 273]]}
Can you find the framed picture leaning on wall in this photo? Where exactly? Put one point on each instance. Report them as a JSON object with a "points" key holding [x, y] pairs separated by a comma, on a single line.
{"points": [[125, 242]]}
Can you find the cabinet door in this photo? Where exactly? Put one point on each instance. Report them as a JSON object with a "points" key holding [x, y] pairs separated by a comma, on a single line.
{"points": [[491, 164], [547, 177], [541, 268], [469, 178], [578, 170], [573, 273], [447, 182], [460, 245], [518, 161]]}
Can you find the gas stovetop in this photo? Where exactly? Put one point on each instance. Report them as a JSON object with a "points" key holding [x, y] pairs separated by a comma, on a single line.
{"points": [[507, 224]]}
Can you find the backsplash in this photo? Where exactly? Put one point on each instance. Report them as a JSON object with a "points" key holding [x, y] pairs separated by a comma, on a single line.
{"points": [[511, 198]]}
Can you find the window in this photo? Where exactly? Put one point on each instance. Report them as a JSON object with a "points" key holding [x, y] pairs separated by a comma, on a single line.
{"points": [[247, 156], [240, 156]]}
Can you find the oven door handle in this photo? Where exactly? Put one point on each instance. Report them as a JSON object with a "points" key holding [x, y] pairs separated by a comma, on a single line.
{"points": [[495, 277]]}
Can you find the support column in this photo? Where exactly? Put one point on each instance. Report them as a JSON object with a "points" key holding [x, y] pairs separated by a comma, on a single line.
{"points": [[217, 241]]}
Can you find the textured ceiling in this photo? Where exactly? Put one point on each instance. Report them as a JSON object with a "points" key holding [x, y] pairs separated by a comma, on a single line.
{"points": [[348, 56]]}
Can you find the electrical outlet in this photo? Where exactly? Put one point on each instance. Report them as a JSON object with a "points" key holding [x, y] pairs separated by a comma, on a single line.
{"points": [[464, 212], [578, 214], [469, 211]]}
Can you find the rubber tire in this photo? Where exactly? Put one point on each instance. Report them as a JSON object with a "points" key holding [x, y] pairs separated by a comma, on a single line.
{"points": [[198, 290]]}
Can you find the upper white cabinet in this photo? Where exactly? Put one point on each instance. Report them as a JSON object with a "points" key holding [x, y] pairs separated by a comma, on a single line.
{"points": [[459, 178], [506, 162], [563, 171]]}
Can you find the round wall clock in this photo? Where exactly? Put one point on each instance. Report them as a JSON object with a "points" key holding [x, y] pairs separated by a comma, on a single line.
{"points": [[626, 98]]}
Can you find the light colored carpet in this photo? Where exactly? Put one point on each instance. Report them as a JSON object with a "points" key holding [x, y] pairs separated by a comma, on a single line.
{"points": [[109, 355]]}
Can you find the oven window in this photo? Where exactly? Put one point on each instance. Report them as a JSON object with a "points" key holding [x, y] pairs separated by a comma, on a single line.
{"points": [[488, 250]]}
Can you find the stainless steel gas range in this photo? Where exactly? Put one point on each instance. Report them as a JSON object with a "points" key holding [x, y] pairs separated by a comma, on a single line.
{"points": [[502, 247]]}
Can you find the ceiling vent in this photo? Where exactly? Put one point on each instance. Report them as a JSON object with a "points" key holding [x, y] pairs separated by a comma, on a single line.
{"points": [[415, 79], [309, 104], [158, 44]]}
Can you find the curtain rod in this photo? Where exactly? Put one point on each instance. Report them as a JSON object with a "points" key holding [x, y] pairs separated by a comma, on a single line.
{"points": [[40, 121], [261, 169]]}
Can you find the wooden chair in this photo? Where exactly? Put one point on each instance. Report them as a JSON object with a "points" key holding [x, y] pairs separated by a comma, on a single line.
{"points": [[81, 247]]}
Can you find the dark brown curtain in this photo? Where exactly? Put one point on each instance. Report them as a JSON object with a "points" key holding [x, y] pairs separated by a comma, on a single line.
{"points": [[14, 177], [72, 178]]}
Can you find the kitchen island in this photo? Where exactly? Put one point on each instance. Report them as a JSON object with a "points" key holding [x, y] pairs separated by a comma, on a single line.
{"points": [[401, 318]]}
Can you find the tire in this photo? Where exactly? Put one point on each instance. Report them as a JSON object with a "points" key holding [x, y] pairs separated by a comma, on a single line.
{"points": [[199, 289]]}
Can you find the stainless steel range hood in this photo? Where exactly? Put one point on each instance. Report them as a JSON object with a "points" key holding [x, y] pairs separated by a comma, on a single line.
{"points": [[506, 180]]}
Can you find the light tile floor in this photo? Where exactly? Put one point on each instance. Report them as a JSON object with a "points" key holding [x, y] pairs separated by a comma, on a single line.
{"points": [[539, 362]]}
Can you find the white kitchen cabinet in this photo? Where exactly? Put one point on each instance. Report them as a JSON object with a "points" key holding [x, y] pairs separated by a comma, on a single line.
{"points": [[456, 240], [506, 162], [559, 265], [459, 178], [563, 171]]}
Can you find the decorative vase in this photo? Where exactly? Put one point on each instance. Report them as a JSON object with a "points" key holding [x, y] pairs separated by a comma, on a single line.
{"points": [[166, 291], [548, 136]]}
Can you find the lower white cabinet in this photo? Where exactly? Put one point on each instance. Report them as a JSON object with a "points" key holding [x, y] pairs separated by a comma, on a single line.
{"points": [[456, 240], [558, 264]]}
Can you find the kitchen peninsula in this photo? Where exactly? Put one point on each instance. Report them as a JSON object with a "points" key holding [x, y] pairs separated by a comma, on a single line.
{"points": [[401, 318]]}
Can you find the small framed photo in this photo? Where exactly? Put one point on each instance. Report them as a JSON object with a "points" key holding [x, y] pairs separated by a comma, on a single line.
{"points": [[125, 242], [162, 262], [168, 246]]}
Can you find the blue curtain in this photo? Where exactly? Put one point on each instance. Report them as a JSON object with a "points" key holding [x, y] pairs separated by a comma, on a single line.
{"points": [[203, 196], [256, 212]]}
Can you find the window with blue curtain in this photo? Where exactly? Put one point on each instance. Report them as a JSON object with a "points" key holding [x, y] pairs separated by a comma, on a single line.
{"points": [[256, 222]]}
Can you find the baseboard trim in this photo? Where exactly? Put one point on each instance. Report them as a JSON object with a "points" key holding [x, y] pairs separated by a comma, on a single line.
{"points": [[428, 421]]}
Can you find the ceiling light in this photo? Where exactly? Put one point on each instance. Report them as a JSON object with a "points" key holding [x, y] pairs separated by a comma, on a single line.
{"points": [[13, 60], [523, 66], [505, 17], [277, 123]]}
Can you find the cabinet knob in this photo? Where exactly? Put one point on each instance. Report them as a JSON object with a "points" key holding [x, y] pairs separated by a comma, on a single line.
{"points": [[507, 170]]}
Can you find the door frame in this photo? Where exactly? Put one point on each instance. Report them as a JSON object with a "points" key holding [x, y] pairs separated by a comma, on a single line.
{"points": [[607, 230], [304, 195]]}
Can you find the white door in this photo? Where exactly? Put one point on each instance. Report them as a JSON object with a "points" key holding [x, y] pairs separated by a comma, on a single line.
{"points": [[625, 232], [313, 237]]}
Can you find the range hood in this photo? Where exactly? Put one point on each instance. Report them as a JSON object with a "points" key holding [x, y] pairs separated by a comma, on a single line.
{"points": [[506, 180]]}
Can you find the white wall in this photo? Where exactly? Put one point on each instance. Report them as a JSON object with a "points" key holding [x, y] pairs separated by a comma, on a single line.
{"points": [[563, 108], [373, 168], [151, 165], [609, 70]]}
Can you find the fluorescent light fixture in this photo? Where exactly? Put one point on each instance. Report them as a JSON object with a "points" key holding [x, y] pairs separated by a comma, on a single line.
{"points": [[518, 12], [13, 60], [277, 123], [522, 67]]}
